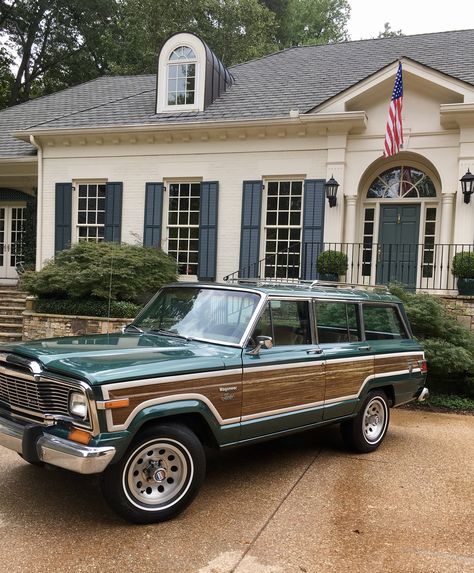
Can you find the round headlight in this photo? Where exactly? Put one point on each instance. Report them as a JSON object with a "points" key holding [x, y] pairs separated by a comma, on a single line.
{"points": [[78, 405]]}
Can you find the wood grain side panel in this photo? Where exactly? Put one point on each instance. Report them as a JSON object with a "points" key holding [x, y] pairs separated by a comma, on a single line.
{"points": [[346, 378], [396, 362], [270, 390], [208, 387]]}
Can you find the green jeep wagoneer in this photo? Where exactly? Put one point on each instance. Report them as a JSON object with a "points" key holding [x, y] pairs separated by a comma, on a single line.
{"points": [[207, 365]]}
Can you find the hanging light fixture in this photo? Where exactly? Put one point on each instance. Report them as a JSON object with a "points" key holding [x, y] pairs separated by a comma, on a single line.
{"points": [[467, 186], [331, 187]]}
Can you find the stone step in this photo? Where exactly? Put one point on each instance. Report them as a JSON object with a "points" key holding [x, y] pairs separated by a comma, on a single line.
{"points": [[11, 317], [9, 337], [10, 309], [10, 300], [11, 326]]}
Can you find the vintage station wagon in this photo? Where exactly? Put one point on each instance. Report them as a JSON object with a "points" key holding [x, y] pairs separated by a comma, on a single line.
{"points": [[207, 365]]}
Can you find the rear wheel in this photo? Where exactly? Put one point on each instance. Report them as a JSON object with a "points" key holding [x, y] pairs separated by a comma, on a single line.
{"points": [[159, 475], [366, 431]]}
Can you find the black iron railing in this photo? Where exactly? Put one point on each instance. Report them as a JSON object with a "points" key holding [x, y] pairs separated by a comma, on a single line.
{"points": [[422, 266]]}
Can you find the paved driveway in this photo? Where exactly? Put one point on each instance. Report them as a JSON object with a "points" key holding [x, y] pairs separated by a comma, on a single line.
{"points": [[300, 504]]}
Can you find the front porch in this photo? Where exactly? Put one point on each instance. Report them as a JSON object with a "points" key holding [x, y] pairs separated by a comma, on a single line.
{"points": [[417, 266]]}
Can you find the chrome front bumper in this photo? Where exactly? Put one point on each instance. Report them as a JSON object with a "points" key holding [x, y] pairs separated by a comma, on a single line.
{"points": [[57, 451]]}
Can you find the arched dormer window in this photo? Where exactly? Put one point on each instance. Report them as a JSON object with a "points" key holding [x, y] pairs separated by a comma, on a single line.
{"points": [[190, 76], [182, 77], [403, 182]]}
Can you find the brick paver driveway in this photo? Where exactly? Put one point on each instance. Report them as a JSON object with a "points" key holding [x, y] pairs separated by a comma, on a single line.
{"points": [[300, 504]]}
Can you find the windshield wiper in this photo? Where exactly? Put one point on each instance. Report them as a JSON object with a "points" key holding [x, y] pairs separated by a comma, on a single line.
{"points": [[168, 333], [134, 328]]}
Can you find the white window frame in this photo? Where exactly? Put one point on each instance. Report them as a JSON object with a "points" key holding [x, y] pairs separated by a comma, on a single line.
{"points": [[166, 227], [175, 42], [291, 179], [75, 206]]}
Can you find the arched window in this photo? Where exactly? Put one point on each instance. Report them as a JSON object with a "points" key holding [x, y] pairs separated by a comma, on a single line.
{"points": [[402, 182], [182, 76]]}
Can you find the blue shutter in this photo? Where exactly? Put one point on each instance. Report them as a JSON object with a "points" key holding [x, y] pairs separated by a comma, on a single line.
{"points": [[313, 226], [113, 212], [207, 260], [63, 216], [153, 214], [250, 231]]}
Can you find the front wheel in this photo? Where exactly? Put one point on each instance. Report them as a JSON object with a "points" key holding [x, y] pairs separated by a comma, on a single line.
{"points": [[158, 476], [366, 431]]}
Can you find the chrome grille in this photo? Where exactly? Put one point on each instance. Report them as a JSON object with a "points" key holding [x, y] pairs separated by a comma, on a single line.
{"points": [[25, 394]]}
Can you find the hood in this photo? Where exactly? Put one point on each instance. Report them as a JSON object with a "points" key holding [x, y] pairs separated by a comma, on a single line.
{"points": [[115, 357]]}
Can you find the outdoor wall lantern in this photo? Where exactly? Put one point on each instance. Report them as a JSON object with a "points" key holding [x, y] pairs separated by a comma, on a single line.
{"points": [[467, 186], [331, 187]]}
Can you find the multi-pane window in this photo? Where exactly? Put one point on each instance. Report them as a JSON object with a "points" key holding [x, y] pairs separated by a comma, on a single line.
{"points": [[283, 222], [429, 242], [183, 225], [182, 76], [368, 241], [401, 182], [91, 212], [16, 234]]}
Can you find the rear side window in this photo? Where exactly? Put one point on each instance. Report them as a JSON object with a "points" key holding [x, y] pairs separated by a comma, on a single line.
{"points": [[286, 321], [383, 323], [337, 322]]}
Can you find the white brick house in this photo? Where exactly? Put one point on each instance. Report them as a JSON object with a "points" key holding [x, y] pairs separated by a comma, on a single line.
{"points": [[224, 168]]}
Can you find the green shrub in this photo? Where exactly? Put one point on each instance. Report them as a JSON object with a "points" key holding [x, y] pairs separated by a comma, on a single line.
{"points": [[125, 272], [332, 263], [463, 265], [449, 346], [88, 307]]}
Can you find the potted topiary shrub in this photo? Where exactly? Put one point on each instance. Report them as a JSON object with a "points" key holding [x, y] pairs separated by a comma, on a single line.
{"points": [[331, 265], [463, 269]]}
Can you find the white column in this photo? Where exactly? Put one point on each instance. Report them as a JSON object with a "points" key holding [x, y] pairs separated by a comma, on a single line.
{"points": [[446, 252], [350, 225]]}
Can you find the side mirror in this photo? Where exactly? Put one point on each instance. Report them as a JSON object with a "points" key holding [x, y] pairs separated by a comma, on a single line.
{"points": [[262, 342]]}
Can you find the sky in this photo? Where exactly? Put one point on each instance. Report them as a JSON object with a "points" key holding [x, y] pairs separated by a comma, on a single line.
{"points": [[409, 16]]}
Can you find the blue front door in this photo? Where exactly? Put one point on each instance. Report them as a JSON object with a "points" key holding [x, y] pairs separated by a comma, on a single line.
{"points": [[397, 250]]}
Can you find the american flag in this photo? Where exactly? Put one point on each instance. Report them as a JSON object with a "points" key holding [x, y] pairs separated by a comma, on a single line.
{"points": [[394, 132]]}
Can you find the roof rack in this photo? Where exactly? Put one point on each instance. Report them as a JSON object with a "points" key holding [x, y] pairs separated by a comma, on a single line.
{"points": [[305, 284]]}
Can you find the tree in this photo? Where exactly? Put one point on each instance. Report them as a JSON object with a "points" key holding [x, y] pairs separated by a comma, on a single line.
{"points": [[53, 43], [301, 22], [388, 32]]}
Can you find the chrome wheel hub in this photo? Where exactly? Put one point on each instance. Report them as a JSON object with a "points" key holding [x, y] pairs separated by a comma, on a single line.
{"points": [[374, 420], [156, 473]]}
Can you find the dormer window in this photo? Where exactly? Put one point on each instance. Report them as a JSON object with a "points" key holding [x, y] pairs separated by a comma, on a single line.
{"points": [[182, 77], [190, 76]]}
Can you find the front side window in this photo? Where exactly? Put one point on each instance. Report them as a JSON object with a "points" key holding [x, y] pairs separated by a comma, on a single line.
{"points": [[183, 225], [337, 322], [383, 323], [286, 322], [182, 77], [210, 314], [283, 223], [91, 212]]}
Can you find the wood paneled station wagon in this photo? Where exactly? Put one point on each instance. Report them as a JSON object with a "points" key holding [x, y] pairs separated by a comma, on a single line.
{"points": [[207, 365]]}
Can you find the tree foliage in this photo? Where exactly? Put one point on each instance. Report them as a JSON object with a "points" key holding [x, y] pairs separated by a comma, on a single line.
{"points": [[388, 32], [47, 45]]}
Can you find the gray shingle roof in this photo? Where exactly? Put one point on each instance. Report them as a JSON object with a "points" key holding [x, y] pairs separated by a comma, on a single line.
{"points": [[296, 78]]}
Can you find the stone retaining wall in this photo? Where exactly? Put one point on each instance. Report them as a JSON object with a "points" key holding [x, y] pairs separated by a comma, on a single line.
{"points": [[463, 307], [37, 325]]}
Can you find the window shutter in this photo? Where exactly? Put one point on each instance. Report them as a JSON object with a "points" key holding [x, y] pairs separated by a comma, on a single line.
{"points": [[313, 226], [153, 214], [63, 216], [250, 231], [113, 212], [207, 260]]}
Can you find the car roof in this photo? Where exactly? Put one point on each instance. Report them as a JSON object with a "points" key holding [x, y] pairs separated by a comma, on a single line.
{"points": [[303, 289]]}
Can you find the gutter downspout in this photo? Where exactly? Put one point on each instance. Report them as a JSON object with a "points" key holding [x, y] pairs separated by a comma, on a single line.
{"points": [[39, 204]]}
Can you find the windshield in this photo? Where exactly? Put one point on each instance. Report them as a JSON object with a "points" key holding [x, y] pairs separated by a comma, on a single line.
{"points": [[205, 313]]}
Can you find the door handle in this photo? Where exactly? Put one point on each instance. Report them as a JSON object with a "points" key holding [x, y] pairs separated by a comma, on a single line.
{"points": [[314, 351], [361, 348]]}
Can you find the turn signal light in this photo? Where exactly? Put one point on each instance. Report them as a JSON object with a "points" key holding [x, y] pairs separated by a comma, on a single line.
{"points": [[80, 436], [111, 404], [424, 367]]}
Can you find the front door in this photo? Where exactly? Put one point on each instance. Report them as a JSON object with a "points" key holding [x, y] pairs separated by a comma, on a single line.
{"points": [[12, 221], [397, 251]]}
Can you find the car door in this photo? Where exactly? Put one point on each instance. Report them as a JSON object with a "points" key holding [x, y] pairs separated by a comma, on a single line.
{"points": [[349, 359], [283, 387]]}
